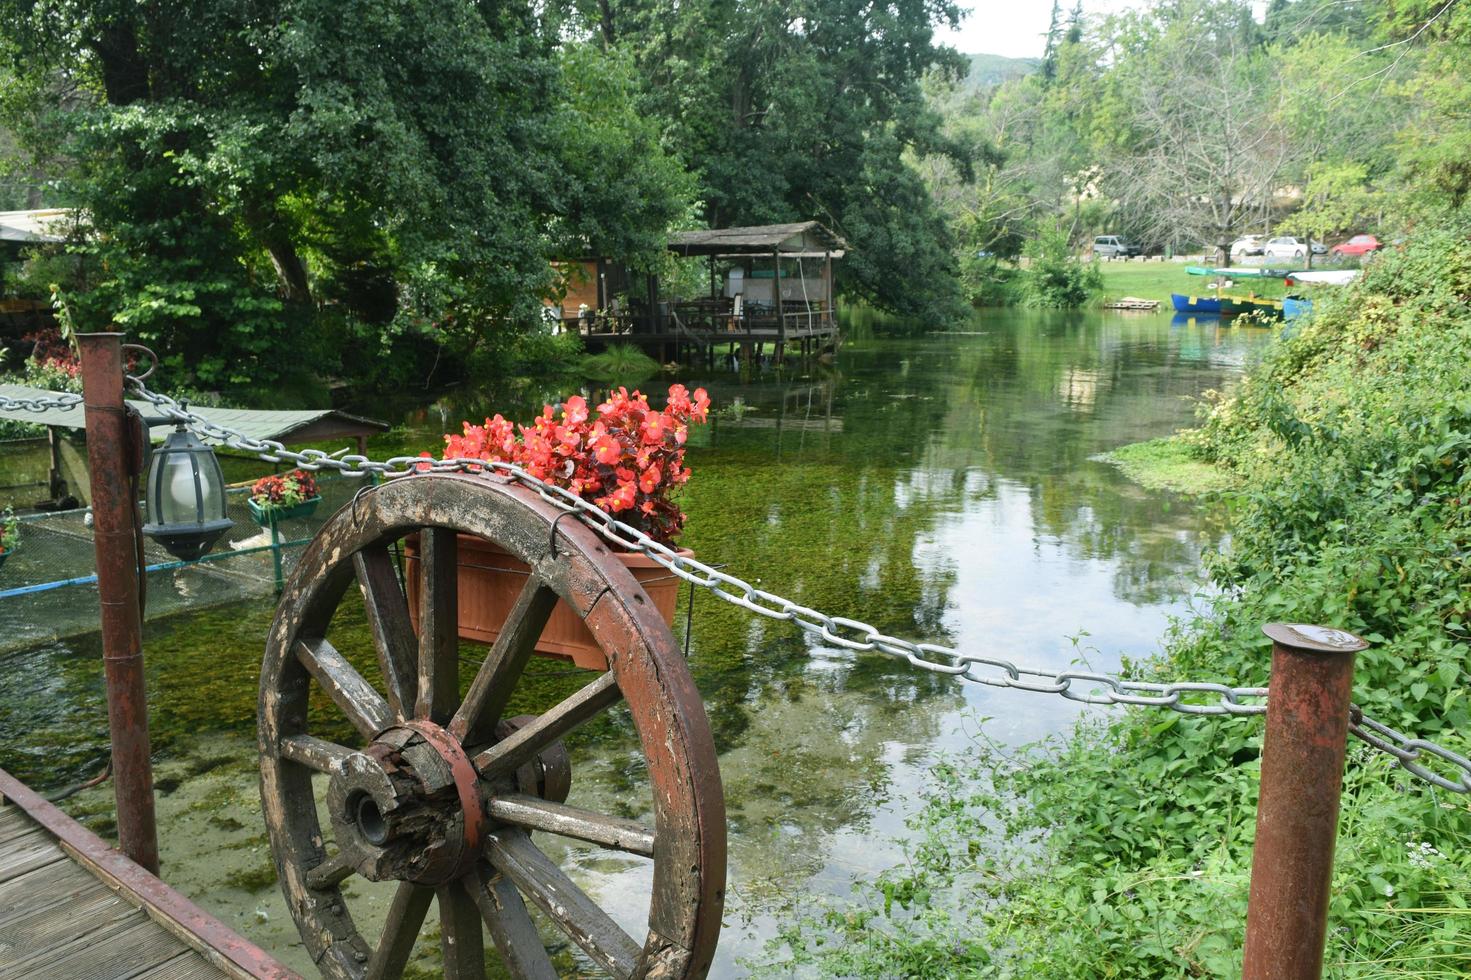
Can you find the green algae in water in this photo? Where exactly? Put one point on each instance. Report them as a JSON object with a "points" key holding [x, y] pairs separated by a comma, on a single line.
{"points": [[1169, 464]]}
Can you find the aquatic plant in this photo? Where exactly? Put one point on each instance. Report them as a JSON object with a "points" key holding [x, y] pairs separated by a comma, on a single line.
{"points": [[627, 461]]}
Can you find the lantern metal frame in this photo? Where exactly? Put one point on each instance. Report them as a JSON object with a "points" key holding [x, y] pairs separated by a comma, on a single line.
{"points": [[187, 540]]}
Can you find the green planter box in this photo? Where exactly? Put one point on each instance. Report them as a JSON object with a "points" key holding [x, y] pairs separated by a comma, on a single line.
{"points": [[268, 516]]}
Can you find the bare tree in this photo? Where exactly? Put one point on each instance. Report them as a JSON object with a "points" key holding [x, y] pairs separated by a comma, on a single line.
{"points": [[1203, 148]]}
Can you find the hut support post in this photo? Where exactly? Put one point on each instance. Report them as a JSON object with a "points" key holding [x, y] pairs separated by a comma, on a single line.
{"points": [[114, 517], [781, 313]]}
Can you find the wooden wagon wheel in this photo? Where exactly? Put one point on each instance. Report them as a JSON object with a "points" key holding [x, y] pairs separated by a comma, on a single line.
{"points": [[444, 793]]}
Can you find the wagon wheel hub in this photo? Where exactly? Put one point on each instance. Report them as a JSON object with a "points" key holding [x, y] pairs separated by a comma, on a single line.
{"points": [[407, 807]]}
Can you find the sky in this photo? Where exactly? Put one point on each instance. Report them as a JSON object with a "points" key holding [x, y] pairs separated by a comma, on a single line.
{"points": [[1017, 28]]}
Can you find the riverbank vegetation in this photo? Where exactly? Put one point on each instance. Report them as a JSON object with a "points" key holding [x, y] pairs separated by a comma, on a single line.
{"points": [[1124, 849], [1324, 119]]}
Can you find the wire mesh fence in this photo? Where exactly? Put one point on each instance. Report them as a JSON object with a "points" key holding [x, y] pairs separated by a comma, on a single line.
{"points": [[48, 583]]}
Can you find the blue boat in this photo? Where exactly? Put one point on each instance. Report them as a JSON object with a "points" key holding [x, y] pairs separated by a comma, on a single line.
{"points": [[1294, 307], [1215, 305]]}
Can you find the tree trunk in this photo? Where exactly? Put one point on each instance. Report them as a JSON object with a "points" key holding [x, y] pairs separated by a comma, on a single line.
{"points": [[266, 225], [124, 75], [605, 23]]}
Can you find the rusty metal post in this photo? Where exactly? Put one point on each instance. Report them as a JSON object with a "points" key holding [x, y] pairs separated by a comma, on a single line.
{"points": [[1297, 812], [114, 514]]}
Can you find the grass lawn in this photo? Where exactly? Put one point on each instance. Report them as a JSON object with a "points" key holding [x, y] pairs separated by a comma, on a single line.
{"points": [[1156, 280]]}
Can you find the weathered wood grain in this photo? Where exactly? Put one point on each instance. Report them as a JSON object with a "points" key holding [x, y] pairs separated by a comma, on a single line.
{"points": [[462, 948], [495, 681], [585, 923], [357, 699], [405, 916], [532, 813], [522, 745], [393, 632], [316, 754], [510, 926], [439, 625]]}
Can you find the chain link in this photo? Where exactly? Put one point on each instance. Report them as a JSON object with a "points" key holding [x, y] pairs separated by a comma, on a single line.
{"points": [[1190, 698], [64, 403]]}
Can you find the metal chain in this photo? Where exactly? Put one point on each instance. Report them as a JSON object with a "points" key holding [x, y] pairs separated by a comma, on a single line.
{"points": [[1190, 698], [64, 403]]}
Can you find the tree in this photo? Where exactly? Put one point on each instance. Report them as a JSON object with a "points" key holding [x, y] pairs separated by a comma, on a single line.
{"points": [[808, 110], [1199, 154], [267, 180]]}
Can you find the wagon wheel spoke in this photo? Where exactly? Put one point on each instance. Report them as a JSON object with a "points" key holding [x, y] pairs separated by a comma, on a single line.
{"points": [[460, 942], [316, 754], [533, 813], [584, 922], [330, 873], [518, 748], [363, 705], [485, 702], [439, 640], [510, 925], [393, 631], [405, 916]]}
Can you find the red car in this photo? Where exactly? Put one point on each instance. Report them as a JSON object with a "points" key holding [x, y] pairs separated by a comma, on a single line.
{"points": [[1358, 245]]}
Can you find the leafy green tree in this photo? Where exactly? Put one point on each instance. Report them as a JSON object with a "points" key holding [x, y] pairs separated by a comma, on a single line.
{"points": [[269, 180], [808, 110]]}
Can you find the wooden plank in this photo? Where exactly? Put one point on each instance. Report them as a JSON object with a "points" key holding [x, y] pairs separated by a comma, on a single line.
{"points": [[175, 913], [116, 952], [27, 854], [522, 745], [510, 926], [13, 822], [393, 632], [52, 932], [46, 887], [585, 923], [188, 965], [533, 813], [439, 625]]}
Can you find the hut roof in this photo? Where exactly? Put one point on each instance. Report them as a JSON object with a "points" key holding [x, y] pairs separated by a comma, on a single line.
{"points": [[46, 225], [795, 237], [310, 425]]}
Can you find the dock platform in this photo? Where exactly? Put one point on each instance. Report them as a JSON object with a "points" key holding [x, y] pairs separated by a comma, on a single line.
{"points": [[72, 907]]}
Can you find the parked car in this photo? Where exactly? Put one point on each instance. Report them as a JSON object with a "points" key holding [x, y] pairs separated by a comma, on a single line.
{"points": [[1114, 247], [1356, 247], [1285, 247], [1248, 245]]}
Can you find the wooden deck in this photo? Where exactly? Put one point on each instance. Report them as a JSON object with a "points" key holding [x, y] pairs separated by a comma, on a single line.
{"points": [[71, 908]]}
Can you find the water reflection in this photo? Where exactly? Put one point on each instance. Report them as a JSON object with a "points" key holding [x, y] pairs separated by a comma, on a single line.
{"points": [[942, 488]]}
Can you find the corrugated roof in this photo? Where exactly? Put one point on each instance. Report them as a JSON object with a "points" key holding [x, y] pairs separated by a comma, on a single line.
{"points": [[309, 425], [45, 225], [791, 237]]}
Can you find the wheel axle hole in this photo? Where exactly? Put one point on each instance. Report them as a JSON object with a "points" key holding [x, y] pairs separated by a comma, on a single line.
{"points": [[364, 811]]}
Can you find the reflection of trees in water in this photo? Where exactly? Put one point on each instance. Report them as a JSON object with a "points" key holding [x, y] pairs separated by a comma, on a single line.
{"points": [[1039, 396]]}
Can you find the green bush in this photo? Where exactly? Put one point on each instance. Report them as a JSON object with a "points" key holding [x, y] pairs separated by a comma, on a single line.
{"points": [[1124, 849], [1055, 277]]}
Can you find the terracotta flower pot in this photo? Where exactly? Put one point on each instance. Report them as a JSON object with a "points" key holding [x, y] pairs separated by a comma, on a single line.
{"points": [[490, 580]]}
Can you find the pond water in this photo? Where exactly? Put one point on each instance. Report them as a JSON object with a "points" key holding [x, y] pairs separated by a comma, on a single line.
{"points": [[941, 488]]}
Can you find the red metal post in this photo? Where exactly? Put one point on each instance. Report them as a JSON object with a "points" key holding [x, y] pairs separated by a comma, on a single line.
{"points": [[113, 515], [1297, 813]]}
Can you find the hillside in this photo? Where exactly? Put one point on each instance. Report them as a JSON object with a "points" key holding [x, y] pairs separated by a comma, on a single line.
{"points": [[993, 69]]}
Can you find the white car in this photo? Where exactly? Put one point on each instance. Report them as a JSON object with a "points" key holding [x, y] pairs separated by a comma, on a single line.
{"points": [[1285, 247], [1248, 245]]}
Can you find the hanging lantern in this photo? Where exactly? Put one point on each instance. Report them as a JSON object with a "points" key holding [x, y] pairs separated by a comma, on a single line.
{"points": [[186, 497]]}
